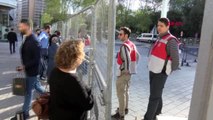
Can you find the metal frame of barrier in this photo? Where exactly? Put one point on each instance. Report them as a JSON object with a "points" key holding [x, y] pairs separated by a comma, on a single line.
{"points": [[189, 48], [95, 76]]}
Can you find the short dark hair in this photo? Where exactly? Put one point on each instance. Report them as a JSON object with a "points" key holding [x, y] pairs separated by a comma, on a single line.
{"points": [[126, 30], [25, 21], [166, 21], [11, 29], [51, 37], [57, 32], [46, 27], [37, 29]]}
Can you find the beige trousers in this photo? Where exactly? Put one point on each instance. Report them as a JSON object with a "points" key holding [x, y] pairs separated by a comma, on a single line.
{"points": [[122, 86]]}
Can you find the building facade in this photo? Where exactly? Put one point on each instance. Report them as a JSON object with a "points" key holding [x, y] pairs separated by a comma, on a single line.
{"points": [[33, 10], [7, 16]]}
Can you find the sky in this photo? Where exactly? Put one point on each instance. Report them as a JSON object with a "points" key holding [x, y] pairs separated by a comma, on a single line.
{"points": [[135, 4]]}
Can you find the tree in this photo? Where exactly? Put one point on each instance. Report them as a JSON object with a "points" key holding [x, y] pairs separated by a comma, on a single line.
{"points": [[46, 18], [142, 21], [192, 15], [58, 9]]}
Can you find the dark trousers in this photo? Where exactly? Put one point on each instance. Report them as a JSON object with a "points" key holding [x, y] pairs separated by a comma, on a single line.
{"points": [[12, 47], [43, 63], [157, 82]]}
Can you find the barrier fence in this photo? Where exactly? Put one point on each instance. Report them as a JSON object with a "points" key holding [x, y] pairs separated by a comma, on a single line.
{"points": [[94, 25]]}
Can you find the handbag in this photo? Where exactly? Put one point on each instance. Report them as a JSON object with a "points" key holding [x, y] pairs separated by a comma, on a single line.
{"points": [[41, 106], [19, 85]]}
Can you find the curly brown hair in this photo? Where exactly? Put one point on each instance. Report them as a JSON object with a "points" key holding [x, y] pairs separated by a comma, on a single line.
{"points": [[70, 54]]}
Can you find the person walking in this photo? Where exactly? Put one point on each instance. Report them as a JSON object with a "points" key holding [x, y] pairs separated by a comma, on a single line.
{"points": [[12, 38], [53, 46], [164, 59], [127, 59], [30, 56], [70, 98], [43, 39], [37, 32]]}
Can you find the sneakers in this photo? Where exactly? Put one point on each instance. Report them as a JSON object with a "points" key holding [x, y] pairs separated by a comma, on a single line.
{"points": [[126, 111], [117, 116], [43, 78], [154, 119], [26, 116]]}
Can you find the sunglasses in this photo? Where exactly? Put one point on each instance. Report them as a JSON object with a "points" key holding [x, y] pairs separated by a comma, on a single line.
{"points": [[120, 34]]}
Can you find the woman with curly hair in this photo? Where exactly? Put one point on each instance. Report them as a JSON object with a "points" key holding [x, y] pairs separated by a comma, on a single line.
{"points": [[70, 98]]}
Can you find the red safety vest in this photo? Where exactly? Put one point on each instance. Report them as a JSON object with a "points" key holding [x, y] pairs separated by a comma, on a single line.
{"points": [[159, 56], [133, 55]]}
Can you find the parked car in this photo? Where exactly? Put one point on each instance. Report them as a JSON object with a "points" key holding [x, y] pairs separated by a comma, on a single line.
{"points": [[147, 37]]}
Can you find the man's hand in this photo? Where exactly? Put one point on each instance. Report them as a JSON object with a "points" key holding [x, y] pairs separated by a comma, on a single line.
{"points": [[20, 68]]}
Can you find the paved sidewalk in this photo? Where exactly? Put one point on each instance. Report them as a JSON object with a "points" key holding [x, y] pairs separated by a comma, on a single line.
{"points": [[177, 92]]}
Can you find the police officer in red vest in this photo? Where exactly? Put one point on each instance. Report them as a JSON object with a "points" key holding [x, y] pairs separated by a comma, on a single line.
{"points": [[163, 60], [127, 58]]}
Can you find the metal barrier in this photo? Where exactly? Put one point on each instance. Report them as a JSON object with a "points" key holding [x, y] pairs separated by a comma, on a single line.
{"points": [[189, 48], [95, 24]]}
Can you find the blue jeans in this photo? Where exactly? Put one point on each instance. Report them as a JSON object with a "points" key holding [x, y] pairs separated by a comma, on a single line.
{"points": [[31, 84]]}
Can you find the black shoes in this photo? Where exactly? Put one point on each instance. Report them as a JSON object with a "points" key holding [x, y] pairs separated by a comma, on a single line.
{"points": [[126, 111], [153, 119], [117, 116]]}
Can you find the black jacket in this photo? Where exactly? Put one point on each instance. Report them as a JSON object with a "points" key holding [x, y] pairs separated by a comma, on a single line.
{"points": [[70, 98], [30, 55], [12, 37]]}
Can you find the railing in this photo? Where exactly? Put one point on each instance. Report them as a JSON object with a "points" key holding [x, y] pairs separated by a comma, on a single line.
{"points": [[189, 50]]}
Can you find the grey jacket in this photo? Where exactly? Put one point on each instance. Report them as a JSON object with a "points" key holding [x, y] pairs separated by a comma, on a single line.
{"points": [[172, 51]]}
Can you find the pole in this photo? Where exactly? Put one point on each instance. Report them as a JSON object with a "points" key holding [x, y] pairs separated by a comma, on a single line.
{"points": [[165, 8], [93, 39], [202, 97], [110, 57]]}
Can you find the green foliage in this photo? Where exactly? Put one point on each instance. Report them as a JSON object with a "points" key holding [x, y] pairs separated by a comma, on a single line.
{"points": [[143, 20], [189, 12], [138, 21], [57, 10], [46, 18]]}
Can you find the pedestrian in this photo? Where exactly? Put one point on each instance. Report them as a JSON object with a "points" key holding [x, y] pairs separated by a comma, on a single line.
{"points": [[37, 32], [58, 33], [43, 39], [30, 56], [127, 59], [12, 38], [163, 60], [53, 46], [70, 98]]}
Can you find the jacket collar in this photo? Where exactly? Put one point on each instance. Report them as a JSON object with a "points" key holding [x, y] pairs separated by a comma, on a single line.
{"points": [[164, 35]]}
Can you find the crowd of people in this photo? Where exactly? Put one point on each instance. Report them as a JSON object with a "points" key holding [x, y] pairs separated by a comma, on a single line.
{"points": [[46, 57]]}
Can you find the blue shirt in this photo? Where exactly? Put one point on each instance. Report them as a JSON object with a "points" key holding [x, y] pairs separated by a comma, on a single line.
{"points": [[43, 39]]}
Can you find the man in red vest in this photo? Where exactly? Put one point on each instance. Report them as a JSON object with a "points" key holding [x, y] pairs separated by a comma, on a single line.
{"points": [[163, 60], [127, 59]]}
